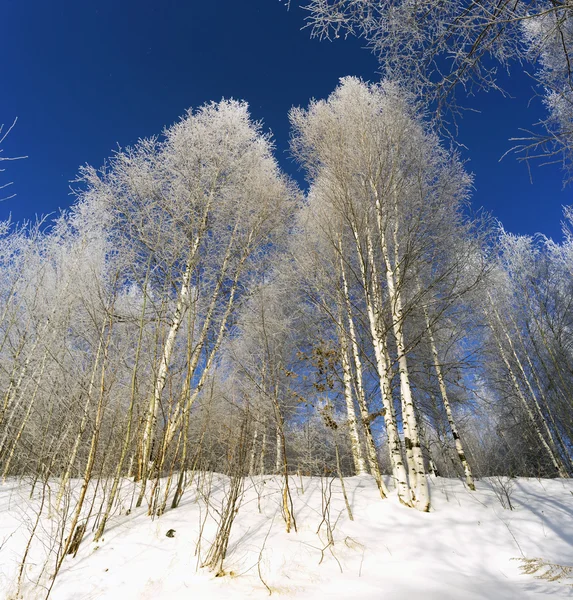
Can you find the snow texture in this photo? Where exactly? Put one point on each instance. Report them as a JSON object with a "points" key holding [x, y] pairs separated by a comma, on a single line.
{"points": [[469, 547]]}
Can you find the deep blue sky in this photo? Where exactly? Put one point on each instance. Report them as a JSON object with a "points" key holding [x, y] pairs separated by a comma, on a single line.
{"points": [[84, 76]]}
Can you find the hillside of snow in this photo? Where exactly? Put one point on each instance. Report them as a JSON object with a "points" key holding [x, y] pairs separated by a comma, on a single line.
{"points": [[469, 547]]}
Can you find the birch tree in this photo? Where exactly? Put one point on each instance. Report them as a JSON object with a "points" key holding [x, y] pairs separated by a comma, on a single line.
{"points": [[370, 159], [197, 206], [322, 272], [530, 339]]}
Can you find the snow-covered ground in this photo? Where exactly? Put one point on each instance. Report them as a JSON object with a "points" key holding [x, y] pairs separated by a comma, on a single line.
{"points": [[468, 547]]}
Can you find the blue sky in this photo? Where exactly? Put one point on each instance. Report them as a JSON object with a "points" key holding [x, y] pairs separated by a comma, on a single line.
{"points": [[83, 76]]}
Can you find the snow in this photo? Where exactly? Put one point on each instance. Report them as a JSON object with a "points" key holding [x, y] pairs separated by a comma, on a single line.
{"points": [[469, 547]]}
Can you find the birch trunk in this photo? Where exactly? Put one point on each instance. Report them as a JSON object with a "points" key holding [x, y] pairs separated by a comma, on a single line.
{"points": [[31, 402], [278, 454], [406, 424], [183, 408], [151, 417], [360, 393], [555, 460], [91, 457], [84, 421], [263, 451], [182, 302], [187, 398], [357, 457], [184, 465], [533, 395], [398, 469], [394, 282], [519, 393], [127, 437], [253, 452], [562, 444], [287, 505], [445, 401]]}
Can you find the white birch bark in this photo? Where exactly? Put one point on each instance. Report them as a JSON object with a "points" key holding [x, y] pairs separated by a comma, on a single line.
{"points": [[398, 469], [356, 449], [360, 393], [182, 304], [182, 407], [151, 417], [188, 397], [445, 401], [186, 400], [411, 435]]}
